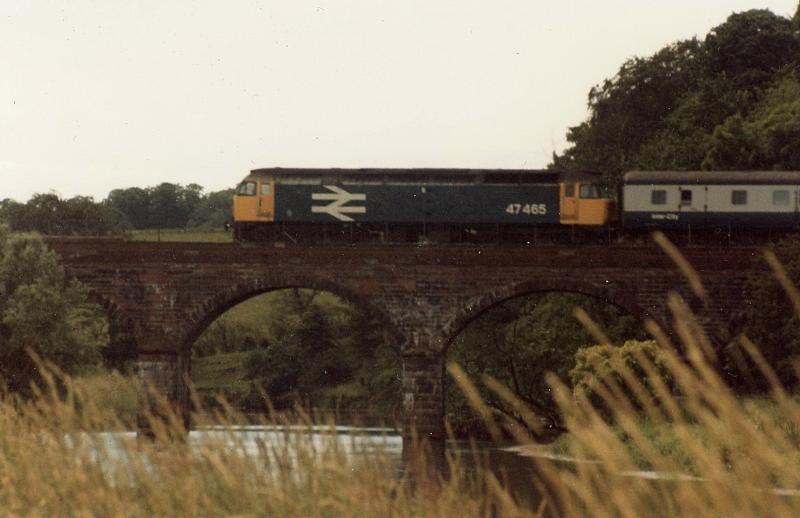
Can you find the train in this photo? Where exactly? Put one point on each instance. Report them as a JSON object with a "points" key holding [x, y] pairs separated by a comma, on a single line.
{"points": [[452, 205]]}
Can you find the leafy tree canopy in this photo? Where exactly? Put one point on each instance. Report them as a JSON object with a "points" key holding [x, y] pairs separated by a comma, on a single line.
{"points": [[42, 311], [727, 102]]}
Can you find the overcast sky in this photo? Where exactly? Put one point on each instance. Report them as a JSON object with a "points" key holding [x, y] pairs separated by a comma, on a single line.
{"points": [[101, 94]]}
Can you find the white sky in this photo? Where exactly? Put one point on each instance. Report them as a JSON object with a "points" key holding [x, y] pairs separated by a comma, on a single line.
{"points": [[100, 94]]}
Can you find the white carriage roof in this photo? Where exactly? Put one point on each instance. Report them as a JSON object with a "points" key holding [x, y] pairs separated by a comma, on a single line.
{"points": [[711, 177]]}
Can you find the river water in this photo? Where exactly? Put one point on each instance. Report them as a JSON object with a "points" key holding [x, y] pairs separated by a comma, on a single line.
{"points": [[510, 465]]}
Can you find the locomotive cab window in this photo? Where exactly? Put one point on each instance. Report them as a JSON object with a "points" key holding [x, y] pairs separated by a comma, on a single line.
{"points": [[246, 189], [658, 197], [780, 197], [590, 191], [569, 190], [265, 190], [739, 197], [686, 198]]}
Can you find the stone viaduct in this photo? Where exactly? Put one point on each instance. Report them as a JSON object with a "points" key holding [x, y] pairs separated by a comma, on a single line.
{"points": [[166, 294]]}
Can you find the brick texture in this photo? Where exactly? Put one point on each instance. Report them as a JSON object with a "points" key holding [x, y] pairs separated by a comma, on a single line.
{"points": [[166, 294]]}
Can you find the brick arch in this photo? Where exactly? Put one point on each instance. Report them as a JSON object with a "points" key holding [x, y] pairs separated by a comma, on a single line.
{"points": [[614, 293], [210, 309]]}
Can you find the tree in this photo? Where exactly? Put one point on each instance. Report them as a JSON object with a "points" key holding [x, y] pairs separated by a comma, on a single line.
{"points": [[322, 351], [733, 147], [170, 205], [519, 342], [51, 215], [631, 107], [750, 47], [213, 210], [42, 311], [166, 209], [713, 104], [133, 203], [770, 320], [768, 139], [12, 213]]}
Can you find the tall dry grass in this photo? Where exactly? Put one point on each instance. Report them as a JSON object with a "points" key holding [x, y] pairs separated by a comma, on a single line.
{"points": [[57, 459], [729, 456], [744, 461]]}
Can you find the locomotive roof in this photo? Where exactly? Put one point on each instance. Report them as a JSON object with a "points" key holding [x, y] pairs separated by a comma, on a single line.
{"points": [[712, 177], [429, 174]]}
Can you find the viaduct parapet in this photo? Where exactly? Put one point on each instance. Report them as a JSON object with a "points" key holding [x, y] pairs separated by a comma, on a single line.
{"points": [[165, 294]]}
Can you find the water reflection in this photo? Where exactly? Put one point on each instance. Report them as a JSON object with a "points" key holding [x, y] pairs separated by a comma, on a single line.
{"points": [[117, 452]]}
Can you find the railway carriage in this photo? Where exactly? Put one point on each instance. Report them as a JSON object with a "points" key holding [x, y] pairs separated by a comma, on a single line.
{"points": [[404, 204], [739, 200]]}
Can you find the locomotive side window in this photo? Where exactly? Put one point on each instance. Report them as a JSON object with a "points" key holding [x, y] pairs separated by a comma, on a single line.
{"points": [[780, 197], [590, 191], [658, 197], [569, 190], [739, 197], [686, 198], [264, 189], [246, 189]]}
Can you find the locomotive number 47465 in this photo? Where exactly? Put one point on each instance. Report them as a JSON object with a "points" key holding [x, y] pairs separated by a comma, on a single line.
{"points": [[531, 209]]}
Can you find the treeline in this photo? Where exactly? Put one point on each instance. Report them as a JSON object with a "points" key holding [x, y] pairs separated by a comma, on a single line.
{"points": [[166, 205], [728, 102]]}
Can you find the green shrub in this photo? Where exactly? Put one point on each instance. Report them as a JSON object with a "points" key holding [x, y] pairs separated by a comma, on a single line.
{"points": [[44, 312], [604, 365]]}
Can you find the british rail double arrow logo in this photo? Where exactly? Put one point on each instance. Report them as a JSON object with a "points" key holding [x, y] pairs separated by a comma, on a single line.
{"points": [[339, 198]]}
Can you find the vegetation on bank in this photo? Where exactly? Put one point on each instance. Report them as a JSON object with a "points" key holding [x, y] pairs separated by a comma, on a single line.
{"points": [[300, 347], [43, 313], [519, 342], [663, 437]]}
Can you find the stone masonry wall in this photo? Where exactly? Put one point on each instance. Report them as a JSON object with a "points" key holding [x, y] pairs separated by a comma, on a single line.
{"points": [[167, 293]]}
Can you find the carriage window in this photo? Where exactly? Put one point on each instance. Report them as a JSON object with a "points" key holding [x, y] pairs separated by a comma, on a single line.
{"points": [[246, 189], [569, 190], [739, 197], [686, 198], [658, 197], [780, 197], [590, 191], [264, 189]]}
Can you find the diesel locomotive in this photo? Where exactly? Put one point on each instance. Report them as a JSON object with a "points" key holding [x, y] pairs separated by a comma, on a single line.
{"points": [[451, 205]]}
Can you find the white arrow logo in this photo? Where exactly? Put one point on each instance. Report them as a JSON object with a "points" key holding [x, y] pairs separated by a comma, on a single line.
{"points": [[340, 198]]}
